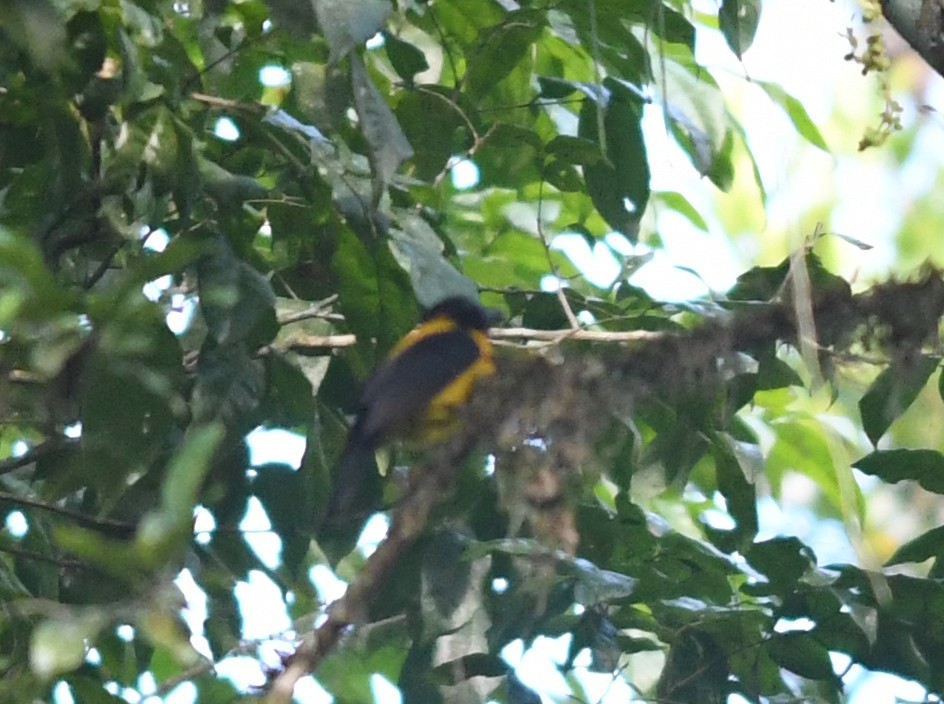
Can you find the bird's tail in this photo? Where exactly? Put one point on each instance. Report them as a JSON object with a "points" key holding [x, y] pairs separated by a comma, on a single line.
{"points": [[356, 490]]}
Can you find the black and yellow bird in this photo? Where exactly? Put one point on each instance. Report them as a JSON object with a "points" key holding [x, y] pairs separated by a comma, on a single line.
{"points": [[415, 392]]}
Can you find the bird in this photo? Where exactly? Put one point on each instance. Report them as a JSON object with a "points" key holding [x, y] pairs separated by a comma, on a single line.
{"points": [[414, 393]]}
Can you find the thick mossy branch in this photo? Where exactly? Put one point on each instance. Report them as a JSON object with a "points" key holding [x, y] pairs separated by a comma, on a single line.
{"points": [[556, 405], [921, 23]]}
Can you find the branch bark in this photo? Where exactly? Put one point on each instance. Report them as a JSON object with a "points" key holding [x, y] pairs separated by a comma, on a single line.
{"points": [[921, 24]]}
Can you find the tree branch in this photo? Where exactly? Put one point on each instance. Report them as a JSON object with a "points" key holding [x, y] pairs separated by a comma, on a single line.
{"points": [[437, 476], [562, 402], [11, 464], [921, 24]]}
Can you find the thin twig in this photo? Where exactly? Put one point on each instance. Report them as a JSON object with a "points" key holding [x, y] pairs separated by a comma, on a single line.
{"points": [[315, 310], [227, 104], [314, 342], [561, 296], [331, 342], [104, 266], [11, 464], [433, 482], [82, 518], [39, 557], [575, 334]]}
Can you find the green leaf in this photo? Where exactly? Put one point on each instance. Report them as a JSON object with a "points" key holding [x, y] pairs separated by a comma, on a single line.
{"points": [[375, 293], [619, 186], [287, 501], [554, 88], [229, 190], [892, 392], [358, 285], [406, 59], [292, 388], [347, 24], [186, 471], [680, 204], [737, 487], [783, 560], [166, 531], [89, 689], [37, 27], [774, 373], [695, 670], [738, 20], [389, 147], [295, 17], [698, 121], [430, 122], [150, 140], [505, 46], [924, 547], [237, 302], [563, 177], [420, 252], [230, 384], [796, 112], [923, 466], [674, 27], [801, 653], [596, 586], [58, 645], [382, 650], [575, 150]]}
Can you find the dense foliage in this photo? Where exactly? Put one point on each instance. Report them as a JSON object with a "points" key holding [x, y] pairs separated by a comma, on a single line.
{"points": [[187, 254]]}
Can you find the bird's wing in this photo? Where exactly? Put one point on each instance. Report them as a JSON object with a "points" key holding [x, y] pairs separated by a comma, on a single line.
{"points": [[402, 386]]}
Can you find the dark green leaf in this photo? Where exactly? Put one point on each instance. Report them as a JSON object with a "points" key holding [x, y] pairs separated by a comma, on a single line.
{"points": [[37, 27], [374, 296], [554, 88], [563, 177], [406, 59], [923, 466], [230, 383], [347, 24], [229, 190], [619, 186], [505, 45], [237, 302], [695, 670], [924, 547], [801, 653], [291, 387], [430, 122], [738, 20], [737, 487], [295, 17], [389, 147], [774, 373], [783, 560], [892, 392], [420, 251], [575, 150], [595, 585], [288, 502], [674, 27]]}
